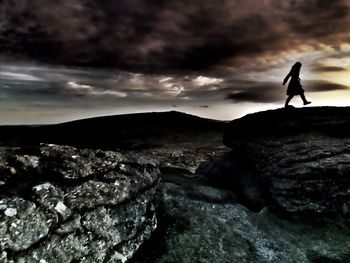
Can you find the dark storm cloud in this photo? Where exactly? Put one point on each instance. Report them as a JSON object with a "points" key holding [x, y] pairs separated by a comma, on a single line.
{"points": [[319, 68], [79, 86], [323, 86], [267, 92], [161, 35], [260, 93], [253, 96], [102, 87], [328, 69]]}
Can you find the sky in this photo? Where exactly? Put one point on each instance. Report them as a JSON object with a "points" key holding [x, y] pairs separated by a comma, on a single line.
{"points": [[71, 59]]}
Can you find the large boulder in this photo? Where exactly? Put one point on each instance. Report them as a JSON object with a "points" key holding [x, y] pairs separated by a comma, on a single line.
{"points": [[294, 161], [61, 204]]}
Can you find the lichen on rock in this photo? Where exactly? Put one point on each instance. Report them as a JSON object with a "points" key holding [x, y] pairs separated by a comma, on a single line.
{"points": [[64, 204]]}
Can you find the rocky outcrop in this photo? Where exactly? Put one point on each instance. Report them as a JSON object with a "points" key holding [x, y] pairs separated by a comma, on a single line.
{"points": [[294, 161], [210, 227], [61, 204], [281, 195]]}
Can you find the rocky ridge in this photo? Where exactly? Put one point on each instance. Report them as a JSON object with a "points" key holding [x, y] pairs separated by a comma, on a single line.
{"points": [[294, 161], [281, 194], [62, 204]]}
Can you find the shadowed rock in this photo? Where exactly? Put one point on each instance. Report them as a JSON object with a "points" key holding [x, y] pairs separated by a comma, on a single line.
{"points": [[294, 162], [61, 204], [328, 121], [291, 160], [213, 228]]}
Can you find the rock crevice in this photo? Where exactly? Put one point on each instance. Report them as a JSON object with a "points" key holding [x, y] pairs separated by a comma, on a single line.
{"points": [[61, 204]]}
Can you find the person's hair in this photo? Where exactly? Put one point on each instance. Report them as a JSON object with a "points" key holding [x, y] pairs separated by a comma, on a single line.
{"points": [[296, 67]]}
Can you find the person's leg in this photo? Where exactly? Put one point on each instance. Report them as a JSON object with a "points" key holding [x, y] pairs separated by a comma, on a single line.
{"points": [[304, 99], [290, 97]]}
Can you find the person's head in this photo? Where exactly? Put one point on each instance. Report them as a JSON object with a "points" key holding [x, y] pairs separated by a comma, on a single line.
{"points": [[297, 65]]}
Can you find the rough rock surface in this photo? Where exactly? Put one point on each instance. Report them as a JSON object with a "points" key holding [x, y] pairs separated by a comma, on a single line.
{"points": [[61, 204], [185, 157], [295, 161], [290, 170], [212, 228]]}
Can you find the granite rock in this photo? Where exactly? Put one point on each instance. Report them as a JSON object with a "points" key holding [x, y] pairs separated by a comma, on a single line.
{"points": [[294, 161], [62, 204]]}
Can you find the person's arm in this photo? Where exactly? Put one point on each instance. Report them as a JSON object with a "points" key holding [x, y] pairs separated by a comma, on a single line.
{"points": [[286, 78]]}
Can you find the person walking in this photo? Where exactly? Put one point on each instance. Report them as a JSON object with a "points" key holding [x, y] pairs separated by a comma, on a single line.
{"points": [[294, 86]]}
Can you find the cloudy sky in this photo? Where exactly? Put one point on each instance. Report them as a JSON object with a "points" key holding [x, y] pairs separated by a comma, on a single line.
{"points": [[71, 59]]}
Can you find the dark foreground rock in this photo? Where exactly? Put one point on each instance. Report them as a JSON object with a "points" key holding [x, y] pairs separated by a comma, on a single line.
{"points": [[281, 195], [193, 228], [294, 161], [60, 204]]}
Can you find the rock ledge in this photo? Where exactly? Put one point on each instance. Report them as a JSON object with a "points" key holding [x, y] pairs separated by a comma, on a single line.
{"points": [[294, 161]]}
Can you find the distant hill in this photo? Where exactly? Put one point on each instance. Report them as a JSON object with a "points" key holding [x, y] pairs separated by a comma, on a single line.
{"points": [[121, 131]]}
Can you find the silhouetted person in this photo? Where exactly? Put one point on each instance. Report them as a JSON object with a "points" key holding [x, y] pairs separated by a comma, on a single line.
{"points": [[294, 86]]}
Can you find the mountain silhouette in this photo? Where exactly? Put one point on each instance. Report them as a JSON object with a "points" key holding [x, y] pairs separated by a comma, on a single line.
{"points": [[130, 131]]}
